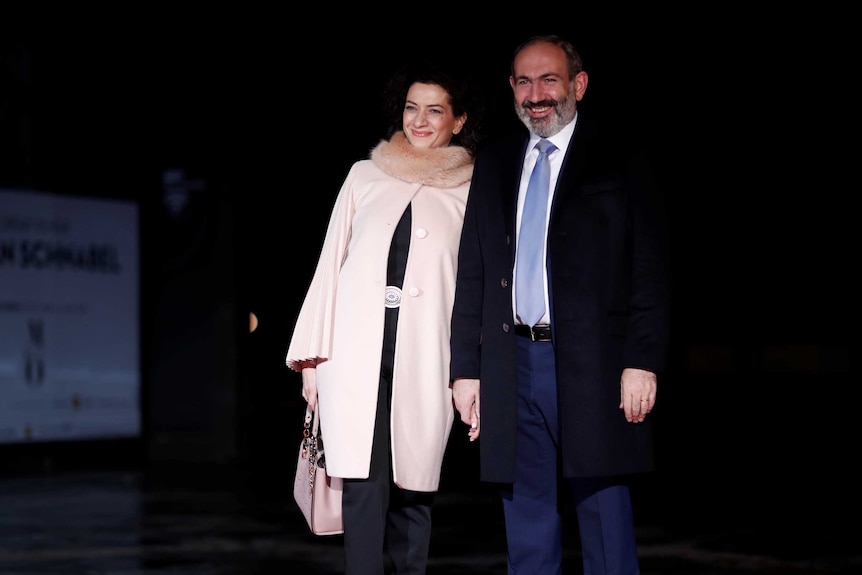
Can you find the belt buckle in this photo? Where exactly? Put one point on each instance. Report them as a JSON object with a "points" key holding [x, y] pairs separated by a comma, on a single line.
{"points": [[536, 336], [392, 298]]}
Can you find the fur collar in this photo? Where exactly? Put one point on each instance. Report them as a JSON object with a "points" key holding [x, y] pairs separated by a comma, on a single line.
{"points": [[447, 167]]}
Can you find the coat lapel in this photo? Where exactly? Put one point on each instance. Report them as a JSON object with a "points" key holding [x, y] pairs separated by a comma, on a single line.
{"points": [[512, 162], [573, 163]]}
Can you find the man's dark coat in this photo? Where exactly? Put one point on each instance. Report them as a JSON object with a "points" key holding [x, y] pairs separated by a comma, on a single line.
{"points": [[610, 292]]}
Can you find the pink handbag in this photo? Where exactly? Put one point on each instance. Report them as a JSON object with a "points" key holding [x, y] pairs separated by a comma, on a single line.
{"points": [[317, 494]]}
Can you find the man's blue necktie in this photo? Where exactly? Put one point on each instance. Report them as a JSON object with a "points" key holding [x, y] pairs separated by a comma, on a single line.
{"points": [[530, 292]]}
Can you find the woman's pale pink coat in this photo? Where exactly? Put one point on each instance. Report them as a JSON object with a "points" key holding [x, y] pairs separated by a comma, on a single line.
{"points": [[340, 323]]}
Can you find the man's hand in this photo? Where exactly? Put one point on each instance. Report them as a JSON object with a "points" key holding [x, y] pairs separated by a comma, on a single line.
{"points": [[637, 393], [465, 396]]}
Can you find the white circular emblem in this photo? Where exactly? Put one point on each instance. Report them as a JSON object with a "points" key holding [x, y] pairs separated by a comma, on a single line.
{"points": [[393, 296]]}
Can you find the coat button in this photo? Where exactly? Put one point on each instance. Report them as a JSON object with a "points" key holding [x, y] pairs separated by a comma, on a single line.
{"points": [[421, 233], [504, 282], [506, 327], [414, 291]]}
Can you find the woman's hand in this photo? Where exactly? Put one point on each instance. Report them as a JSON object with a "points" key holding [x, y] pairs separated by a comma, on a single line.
{"points": [[309, 386]]}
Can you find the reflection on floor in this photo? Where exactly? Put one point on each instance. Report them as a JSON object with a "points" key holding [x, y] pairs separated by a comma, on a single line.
{"points": [[225, 522]]}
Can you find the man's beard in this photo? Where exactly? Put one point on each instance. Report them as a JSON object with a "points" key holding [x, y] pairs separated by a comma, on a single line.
{"points": [[562, 113]]}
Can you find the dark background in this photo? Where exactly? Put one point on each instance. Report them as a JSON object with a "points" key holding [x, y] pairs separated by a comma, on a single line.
{"points": [[746, 119]]}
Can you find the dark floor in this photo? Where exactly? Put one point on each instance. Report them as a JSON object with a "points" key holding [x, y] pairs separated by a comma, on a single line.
{"points": [[225, 522]]}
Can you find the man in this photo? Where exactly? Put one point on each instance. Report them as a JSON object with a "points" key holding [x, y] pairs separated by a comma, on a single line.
{"points": [[564, 397]]}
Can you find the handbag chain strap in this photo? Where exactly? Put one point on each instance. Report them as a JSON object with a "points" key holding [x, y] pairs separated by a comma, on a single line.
{"points": [[309, 446]]}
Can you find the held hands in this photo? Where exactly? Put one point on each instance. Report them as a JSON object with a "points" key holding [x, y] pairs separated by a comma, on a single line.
{"points": [[637, 393], [465, 396]]}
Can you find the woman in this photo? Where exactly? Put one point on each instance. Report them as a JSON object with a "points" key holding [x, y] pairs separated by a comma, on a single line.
{"points": [[372, 336]]}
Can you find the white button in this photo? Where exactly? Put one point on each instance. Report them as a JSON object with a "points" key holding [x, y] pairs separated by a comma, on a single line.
{"points": [[421, 232], [414, 291]]}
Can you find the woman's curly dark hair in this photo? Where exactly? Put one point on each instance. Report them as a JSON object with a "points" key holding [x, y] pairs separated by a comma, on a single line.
{"points": [[464, 94]]}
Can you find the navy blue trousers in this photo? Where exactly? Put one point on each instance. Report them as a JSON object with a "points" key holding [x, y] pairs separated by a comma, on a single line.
{"points": [[531, 507]]}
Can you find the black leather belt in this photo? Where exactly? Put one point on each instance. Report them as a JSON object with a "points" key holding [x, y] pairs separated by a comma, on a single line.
{"points": [[535, 333]]}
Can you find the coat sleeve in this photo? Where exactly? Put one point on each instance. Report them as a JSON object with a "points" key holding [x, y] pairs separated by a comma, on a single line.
{"points": [[312, 334], [647, 337], [465, 341]]}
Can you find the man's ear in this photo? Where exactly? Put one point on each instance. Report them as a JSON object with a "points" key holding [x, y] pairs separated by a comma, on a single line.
{"points": [[581, 80]]}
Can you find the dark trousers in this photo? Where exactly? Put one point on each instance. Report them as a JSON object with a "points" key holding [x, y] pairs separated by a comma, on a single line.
{"points": [[386, 529], [531, 507]]}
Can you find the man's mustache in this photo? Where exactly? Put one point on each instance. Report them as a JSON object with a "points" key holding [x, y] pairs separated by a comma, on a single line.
{"points": [[540, 104]]}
